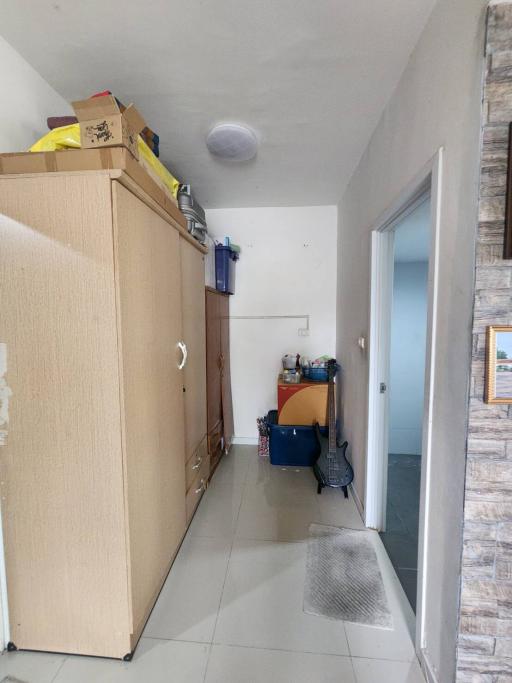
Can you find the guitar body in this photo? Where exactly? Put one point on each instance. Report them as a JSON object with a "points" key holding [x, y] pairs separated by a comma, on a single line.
{"points": [[332, 467]]}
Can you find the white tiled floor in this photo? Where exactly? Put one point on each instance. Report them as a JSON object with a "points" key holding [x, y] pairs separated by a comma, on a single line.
{"points": [[231, 609]]}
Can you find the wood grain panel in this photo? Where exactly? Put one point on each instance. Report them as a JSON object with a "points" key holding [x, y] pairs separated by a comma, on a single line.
{"points": [[194, 334], [197, 488], [61, 470], [226, 398], [215, 442], [194, 463], [213, 348], [150, 323]]}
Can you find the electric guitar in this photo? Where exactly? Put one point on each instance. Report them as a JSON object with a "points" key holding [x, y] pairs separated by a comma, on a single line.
{"points": [[332, 467]]}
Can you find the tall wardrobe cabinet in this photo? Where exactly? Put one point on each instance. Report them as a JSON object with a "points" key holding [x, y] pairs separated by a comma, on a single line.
{"points": [[104, 342], [218, 370]]}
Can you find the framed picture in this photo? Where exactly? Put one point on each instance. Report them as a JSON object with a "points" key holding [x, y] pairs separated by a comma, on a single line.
{"points": [[498, 380]]}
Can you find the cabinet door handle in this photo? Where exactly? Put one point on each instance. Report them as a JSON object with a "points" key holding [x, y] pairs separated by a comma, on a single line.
{"points": [[201, 487], [198, 464], [183, 348]]}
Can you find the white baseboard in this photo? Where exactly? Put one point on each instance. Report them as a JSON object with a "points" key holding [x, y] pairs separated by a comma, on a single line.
{"points": [[359, 504], [245, 440], [427, 667]]}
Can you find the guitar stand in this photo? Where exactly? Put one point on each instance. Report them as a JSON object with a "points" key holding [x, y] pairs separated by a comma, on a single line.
{"points": [[320, 487]]}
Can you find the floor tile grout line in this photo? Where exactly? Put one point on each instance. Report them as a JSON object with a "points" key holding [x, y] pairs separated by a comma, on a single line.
{"points": [[348, 644], [216, 537], [227, 567], [353, 669], [319, 654], [414, 658], [64, 660], [210, 648], [271, 540], [179, 640], [282, 649], [210, 643]]}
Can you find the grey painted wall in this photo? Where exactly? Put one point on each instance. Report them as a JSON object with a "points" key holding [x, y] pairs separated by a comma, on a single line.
{"points": [[437, 103], [407, 361]]}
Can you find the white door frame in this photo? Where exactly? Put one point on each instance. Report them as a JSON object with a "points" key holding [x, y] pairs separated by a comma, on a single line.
{"points": [[428, 180], [381, 293]]}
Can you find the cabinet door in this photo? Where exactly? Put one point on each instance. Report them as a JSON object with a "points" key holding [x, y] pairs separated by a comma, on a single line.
{"points": [[194, 335], [213, 358], [61, 464], [227, 403], [150, 325]]}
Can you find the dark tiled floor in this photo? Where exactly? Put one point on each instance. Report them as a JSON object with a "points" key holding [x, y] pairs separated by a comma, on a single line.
{"points": [[402, 519]]}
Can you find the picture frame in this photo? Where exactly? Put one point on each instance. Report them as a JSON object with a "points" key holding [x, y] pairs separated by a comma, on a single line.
{"points": [[498, 364]]}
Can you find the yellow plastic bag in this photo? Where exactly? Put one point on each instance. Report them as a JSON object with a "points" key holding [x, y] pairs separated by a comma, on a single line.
{"points": [[169, 180], [68, 137], [65, 137]]}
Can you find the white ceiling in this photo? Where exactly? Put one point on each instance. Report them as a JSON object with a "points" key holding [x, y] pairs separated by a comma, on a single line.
{"points": [[310, 76], [412, 236]]}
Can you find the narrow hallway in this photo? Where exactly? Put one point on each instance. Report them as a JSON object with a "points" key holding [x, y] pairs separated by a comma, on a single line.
{"points": [[231, 608]]}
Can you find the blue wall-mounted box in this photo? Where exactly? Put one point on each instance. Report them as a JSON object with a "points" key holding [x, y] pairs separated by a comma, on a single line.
{"points": [[225, 260]]}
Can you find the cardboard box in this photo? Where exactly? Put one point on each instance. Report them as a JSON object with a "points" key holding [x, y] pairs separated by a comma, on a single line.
{"points": [[302, 404], [102, 124], [72, 160]]}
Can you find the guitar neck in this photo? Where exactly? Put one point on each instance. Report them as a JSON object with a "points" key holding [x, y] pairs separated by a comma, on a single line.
{"points": [[332, 416]]}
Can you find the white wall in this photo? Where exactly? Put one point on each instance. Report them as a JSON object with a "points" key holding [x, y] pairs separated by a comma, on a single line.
{"points": [[27, 100], [287, 267], [436, 103], [407, 357]]}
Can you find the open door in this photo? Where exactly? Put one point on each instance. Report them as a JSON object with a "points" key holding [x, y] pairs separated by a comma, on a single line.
{"points": [[426, 186]]}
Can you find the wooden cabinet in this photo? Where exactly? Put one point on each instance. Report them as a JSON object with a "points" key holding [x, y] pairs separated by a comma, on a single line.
{"points": [[199, 484], [147, 261], [97, 287], [213, 358], [197, 461], [225, 374], [194, 332], [218, 382]]}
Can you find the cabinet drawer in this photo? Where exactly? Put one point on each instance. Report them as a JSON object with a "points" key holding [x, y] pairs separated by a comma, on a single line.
{"points": [[197, 488], [194, 463]]}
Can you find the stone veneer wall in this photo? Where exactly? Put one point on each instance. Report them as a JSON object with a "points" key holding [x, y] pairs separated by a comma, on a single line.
{"points": [[485, 628]]}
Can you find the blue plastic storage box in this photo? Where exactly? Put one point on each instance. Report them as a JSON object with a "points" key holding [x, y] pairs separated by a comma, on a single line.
{"points": [[316, 374], [292, 446], [225, 259]]}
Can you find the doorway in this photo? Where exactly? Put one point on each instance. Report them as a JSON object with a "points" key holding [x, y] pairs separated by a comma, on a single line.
{"points": [[424, 189], [406, 389]]}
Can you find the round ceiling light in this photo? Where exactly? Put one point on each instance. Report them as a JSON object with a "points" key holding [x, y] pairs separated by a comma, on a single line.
{"points": [[232, 141]]}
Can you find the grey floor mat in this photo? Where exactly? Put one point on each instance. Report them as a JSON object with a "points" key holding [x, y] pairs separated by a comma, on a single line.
{"points": [[343, 579]]}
